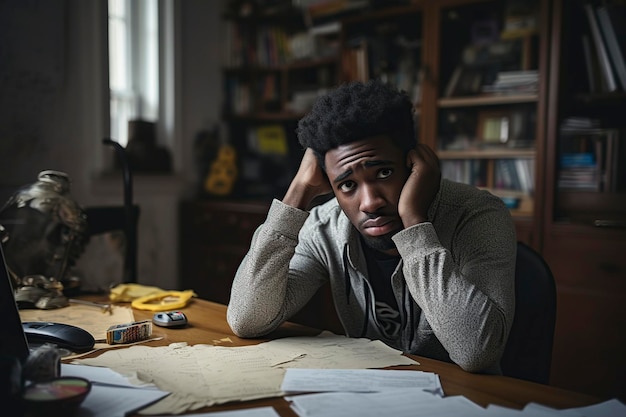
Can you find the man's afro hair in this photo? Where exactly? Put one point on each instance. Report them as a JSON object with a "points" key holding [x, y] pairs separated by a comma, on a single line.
{"points": [[355, 111]]}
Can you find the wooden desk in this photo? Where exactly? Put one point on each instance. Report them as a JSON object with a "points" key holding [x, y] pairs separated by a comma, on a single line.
{"points": [[207, 322]]}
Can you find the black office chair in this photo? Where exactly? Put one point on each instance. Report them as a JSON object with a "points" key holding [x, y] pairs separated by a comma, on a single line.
{"points": [[125, 218], [528, 352]]}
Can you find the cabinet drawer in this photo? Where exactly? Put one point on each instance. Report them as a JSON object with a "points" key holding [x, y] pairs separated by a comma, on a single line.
{"points": [[221, 223], [209, 270], [587, 262]]}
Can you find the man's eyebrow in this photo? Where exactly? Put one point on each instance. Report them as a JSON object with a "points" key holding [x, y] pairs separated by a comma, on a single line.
{"points": [[367, 164], [342, 176]]}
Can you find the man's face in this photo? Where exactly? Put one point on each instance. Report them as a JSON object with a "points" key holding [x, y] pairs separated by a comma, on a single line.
{"points": [[367, 177]]}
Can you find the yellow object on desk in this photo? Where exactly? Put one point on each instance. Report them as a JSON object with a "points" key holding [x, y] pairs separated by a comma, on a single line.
{"points": [[167, 300], [125, 293]]}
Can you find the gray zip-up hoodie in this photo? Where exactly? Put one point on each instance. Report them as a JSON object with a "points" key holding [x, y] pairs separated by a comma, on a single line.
{"points": [[454, 285]]}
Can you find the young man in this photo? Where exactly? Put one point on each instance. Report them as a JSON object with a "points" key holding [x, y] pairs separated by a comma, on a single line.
{"points": [[424, 264]]}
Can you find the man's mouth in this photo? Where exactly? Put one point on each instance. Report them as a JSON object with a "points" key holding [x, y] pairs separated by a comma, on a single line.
{"points": [[378, 226]]}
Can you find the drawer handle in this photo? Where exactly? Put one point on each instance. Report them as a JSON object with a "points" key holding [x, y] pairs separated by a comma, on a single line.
{"points": [[617, 224], [609, 267]]}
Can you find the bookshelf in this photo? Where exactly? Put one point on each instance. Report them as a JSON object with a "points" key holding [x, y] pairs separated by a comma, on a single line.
{"points": [[275, 65], [584, 224], [385, 44], [484, 98]]}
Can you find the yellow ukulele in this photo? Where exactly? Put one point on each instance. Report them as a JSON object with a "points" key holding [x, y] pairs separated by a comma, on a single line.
{"points": [[223, 172]]}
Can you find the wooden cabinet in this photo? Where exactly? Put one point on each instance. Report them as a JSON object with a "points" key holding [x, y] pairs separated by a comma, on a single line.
{"points": [[584, 224], [590, 271], [215, 236]]}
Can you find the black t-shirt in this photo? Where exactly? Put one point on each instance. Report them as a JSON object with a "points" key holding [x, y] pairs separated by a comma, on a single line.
{"points": [[380, 267]]}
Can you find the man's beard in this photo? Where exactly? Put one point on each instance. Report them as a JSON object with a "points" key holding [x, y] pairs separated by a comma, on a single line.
{"points": [[381, 243]]}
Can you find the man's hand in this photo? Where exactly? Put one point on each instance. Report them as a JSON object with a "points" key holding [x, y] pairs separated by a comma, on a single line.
{"points": [[310, 182], [421, 186]]}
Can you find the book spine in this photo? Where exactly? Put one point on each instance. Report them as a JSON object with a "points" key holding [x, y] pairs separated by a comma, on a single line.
{"points": [[591, 74], [612, 43], [603, 57]]}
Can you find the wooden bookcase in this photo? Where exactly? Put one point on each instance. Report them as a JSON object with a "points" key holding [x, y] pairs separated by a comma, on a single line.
{"points": [[486, 132], [274, 67], [584, 225]]}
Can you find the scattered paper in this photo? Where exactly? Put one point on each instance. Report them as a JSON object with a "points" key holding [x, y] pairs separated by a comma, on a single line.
{"points": [[204, 375]]}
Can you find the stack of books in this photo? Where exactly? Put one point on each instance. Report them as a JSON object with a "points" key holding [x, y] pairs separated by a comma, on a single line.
{"points": [[589, 158], [514, 82], [579, 171]]}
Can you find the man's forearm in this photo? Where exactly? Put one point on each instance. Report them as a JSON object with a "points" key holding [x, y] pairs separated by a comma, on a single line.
{"points": [[259, 288]]}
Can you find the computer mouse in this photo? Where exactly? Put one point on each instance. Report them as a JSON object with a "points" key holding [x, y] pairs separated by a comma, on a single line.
{"points": [[170, 319], [64, 336]]}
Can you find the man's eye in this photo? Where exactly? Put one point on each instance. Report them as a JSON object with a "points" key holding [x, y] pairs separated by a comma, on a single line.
{"points": [[346, 186], [384, 173]]}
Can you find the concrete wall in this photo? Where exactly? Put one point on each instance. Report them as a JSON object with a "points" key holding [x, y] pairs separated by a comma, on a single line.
{"points": [[53, 116]]}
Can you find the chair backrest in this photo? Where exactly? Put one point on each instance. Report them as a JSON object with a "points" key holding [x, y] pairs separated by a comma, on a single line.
{"points": [[528, 352], [124, 218], [103, 219]]}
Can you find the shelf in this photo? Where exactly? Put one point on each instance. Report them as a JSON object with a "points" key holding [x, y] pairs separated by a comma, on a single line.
{"points": [[487, 100], [525, 207], [265, 116], [292, 65], [488, 154]]}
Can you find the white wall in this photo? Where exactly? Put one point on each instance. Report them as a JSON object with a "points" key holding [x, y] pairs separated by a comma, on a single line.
{"points": [[53, 109]]}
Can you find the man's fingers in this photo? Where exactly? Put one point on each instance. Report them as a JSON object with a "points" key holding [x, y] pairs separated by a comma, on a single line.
{"points": [[427, 154]]}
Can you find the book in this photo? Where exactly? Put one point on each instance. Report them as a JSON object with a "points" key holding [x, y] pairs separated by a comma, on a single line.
{"points": [[601, 52], [612, 22], [454, 80], [590, 64]]}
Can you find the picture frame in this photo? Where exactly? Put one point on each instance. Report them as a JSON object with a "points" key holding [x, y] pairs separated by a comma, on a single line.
{"points": [[494, 127]]}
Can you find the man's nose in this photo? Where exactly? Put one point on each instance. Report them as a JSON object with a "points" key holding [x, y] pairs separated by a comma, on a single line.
{"points": [[371, 199]]}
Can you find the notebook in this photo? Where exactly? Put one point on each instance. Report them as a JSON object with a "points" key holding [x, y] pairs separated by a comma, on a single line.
{"points": [[13, 342]]}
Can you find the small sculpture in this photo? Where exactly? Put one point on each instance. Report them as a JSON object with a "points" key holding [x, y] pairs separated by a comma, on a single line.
{"points": [[44, 230]]}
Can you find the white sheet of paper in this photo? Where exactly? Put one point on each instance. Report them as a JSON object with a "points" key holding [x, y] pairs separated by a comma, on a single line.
{"points": [[397, 403], [534, 407], [103, 376], [111, 401], [610, 408], [248, 412], [357, 380]]}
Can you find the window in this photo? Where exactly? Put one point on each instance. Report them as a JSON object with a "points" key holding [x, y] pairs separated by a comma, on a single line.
{"points": [[133, 64]]}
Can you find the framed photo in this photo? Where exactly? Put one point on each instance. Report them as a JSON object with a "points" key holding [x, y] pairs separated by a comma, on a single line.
{"points": [[494, 127]]}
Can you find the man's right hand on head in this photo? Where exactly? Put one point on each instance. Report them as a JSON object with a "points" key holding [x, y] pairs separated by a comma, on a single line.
{"points": [[309, 182]]}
